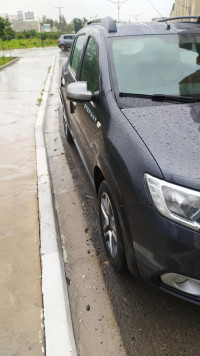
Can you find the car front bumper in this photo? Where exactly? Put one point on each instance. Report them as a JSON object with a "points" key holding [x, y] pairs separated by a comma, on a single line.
{"points": [[163, 247]]}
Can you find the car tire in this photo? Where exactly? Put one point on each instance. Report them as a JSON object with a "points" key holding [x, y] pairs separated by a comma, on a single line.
{"points": [[110, 228], [67, 132], [62, 47]]}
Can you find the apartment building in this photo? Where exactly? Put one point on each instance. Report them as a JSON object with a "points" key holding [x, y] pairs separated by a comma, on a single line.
{"points": [[185, 8]]}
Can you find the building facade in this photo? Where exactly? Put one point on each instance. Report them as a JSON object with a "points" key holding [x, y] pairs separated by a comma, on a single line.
{"points": [[20, 15], [29, 15], [185, 8], [23, 21], [21, 25]]}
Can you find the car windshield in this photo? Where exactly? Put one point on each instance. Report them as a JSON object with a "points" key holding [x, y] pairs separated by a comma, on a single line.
{"points": [[164, 64]]}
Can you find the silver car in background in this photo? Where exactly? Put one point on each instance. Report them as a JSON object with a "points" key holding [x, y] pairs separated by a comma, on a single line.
{"points": [[65, 41]]}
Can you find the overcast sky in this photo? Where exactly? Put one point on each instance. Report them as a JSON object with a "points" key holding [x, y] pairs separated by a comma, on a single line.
{"points": [[89, 8]]}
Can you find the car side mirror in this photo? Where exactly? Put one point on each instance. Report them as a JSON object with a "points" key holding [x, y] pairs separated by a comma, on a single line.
{"points": [[79, 92]]}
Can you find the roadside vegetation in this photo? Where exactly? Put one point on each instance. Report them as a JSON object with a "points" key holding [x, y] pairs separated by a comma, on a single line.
{"points": [[10, 39], [29, 43], [5, 60]]}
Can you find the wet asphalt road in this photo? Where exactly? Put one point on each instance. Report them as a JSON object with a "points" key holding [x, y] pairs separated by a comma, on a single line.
{"points": [[21, 326], [150, 321]]}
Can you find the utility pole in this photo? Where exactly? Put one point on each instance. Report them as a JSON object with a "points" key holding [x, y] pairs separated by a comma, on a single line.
{"points": [[118, 3], [59, 7]]}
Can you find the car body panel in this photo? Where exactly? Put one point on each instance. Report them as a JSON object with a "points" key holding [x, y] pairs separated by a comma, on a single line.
{"points": [[172, 135], [167, 246]]}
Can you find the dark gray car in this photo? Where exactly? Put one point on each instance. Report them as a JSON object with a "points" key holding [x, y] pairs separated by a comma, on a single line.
{"points": [[65, 41], [131, 99]]}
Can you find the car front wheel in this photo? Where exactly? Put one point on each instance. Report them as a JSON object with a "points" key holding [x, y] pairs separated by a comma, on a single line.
{"points": [[110, 228]]}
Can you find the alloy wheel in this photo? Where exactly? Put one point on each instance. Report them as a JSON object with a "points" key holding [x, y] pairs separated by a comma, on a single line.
{"points": [[108, 224]]}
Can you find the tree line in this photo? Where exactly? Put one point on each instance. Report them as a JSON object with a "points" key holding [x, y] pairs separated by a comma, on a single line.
{"points": [[7, 32], [62, 26]]}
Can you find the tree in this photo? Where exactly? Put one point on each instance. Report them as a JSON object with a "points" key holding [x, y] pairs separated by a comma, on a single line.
{"points": [[63, 26], [63, 23], [6, 31], [77, 23], [46, 20], [84, 20]]}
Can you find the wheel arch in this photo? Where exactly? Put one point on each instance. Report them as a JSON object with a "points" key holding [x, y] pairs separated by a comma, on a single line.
{"points": [[102, 171]]}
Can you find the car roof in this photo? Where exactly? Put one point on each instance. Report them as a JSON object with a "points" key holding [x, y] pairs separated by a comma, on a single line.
{"points": [[156, 28], [112, 29]]}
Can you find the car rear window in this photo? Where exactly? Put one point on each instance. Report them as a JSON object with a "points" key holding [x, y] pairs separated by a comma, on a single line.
{"points": [[77, 50], [69, 37], [90, 67]]}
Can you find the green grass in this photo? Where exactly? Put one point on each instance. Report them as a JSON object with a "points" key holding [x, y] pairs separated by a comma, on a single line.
{"points": [[28, 43], [39, 101], [4, 60]]}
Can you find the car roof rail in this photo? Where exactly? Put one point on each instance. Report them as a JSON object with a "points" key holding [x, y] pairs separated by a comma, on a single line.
{"points": [[181, 18], [107, 22]]}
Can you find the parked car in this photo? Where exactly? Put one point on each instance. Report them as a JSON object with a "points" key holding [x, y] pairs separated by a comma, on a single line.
{"points": [[65, 41], [130, 95]]}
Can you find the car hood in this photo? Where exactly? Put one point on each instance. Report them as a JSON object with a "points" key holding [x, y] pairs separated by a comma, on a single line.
{"points": [[172, 135]]}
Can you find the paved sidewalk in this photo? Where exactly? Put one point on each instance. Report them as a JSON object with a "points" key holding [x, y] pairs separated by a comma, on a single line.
{"points": [[21, 329]]}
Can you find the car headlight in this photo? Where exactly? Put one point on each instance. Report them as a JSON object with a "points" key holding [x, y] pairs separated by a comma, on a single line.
{"points": [[176, 203]]}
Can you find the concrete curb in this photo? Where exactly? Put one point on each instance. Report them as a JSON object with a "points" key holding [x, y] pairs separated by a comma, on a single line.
{"points": [[57, 316], [9, 63]]}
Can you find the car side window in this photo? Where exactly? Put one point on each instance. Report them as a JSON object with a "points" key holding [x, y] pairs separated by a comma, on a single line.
{"points": [[78, 46], [90, 67]]}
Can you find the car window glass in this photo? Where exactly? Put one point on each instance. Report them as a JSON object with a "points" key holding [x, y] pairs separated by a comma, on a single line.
{"points": [[90, 67], [77, 52], [167, 64]]}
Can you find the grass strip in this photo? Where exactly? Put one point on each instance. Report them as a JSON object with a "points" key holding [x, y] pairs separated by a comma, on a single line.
{"points": [[5, 60], [28, 43]]}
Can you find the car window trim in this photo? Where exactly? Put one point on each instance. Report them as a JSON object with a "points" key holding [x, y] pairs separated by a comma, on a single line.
{"points": [[113, 79], [72, 73]]}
